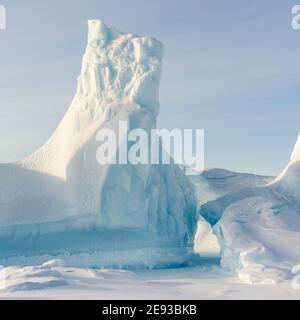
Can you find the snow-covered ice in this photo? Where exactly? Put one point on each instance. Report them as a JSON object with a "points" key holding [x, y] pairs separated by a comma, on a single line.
{"points": [[206, 280]]}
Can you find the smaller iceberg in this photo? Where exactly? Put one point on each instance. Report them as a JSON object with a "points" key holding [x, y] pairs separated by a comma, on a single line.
{"points": [[259, 228]]}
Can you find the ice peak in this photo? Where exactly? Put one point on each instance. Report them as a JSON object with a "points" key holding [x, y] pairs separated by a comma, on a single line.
{"points": [[99, 33], [118, 66], [96, 24], [290, 168], [296, 152]]}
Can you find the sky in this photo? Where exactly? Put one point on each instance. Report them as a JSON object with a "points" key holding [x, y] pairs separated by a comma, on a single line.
{"points": [[230, 67]]}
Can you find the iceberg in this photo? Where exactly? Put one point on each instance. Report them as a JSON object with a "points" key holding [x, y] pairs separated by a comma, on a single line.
{"points": [[60, 203], [258, 228]]}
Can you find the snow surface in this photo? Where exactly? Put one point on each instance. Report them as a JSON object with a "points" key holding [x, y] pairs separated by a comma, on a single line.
{"points": [[60, 202], [259, 228], [208, 280]]}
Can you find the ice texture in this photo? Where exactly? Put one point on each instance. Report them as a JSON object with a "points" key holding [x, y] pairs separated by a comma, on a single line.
{"points": [[60, 202], [258, 228]]}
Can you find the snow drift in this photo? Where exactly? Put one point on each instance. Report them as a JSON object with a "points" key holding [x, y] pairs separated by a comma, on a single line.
{"points": [[60, 202], [53, 274], [259, 228]]}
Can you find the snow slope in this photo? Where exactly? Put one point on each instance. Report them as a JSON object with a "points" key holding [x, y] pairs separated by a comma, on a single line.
{"points": [[259, 228], [61, 202], [212, 184]]}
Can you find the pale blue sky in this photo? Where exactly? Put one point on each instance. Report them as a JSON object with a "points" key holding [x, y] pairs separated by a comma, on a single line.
{"points": [[231, 67]]}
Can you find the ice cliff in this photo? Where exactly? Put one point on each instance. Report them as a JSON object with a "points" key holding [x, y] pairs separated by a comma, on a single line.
{"points": [[60, 202]]}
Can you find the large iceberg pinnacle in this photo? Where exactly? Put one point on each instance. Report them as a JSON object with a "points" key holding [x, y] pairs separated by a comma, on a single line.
{"points": [[60, 202]]}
